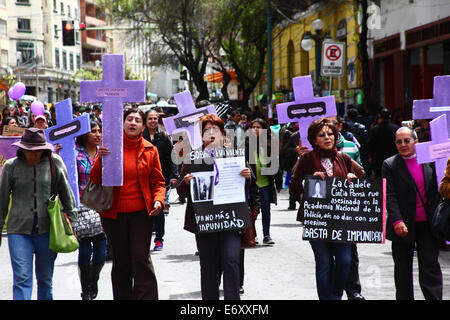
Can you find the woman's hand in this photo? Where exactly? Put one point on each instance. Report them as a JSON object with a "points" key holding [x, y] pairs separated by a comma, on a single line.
{"points": [[246, 173], [350, 176], [102, 151], [187, 178], [401, 230], [157, 208], [319, 174]]}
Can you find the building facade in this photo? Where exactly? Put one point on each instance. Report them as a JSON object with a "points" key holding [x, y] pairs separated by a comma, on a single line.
{"points": [[289, 59], [407, 56]]}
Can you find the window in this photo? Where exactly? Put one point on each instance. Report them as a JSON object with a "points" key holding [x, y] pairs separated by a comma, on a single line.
{"points": [[55, 6], [77, 37], [4, 58], [3, 28], [57, 61], [71, 61], [56, 32], [64, 57], [175, 86], [25, 52], [62, 8], [68, 11], [22, 2], [23, 25], [78, 61]]}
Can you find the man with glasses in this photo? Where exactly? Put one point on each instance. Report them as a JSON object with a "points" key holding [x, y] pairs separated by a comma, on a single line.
{"points": [[412, 196]]}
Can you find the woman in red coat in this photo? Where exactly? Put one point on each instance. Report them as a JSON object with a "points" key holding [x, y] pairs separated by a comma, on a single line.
{"points": [[128, 223]]}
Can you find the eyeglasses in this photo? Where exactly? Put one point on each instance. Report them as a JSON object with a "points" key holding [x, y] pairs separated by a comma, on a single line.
{"points": [[322, 135], [405, 141]]}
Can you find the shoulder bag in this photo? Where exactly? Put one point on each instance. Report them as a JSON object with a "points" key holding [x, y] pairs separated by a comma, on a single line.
{"points": [[97, 197], [440, 223], [62, 238]]}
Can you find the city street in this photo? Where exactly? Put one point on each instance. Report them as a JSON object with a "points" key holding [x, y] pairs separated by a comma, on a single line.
{"points": [[284, 271]]}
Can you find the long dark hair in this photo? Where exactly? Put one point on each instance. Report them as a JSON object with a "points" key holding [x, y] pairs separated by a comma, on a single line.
{"points": [[81, 140]]}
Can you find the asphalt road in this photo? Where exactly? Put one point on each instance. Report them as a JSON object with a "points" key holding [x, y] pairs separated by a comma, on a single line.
{"points": [[284, 271]]}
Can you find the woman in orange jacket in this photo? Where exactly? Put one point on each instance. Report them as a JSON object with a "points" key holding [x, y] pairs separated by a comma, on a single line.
{"points": [[128, 223]]}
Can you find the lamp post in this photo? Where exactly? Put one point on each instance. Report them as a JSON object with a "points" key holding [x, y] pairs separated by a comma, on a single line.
{"points": [[307, 45]]}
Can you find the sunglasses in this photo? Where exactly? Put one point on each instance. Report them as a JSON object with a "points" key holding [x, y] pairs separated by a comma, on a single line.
{"points": [[405, 141]]}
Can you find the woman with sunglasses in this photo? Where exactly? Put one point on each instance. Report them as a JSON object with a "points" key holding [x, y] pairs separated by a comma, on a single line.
{"points": [[332, 259]]}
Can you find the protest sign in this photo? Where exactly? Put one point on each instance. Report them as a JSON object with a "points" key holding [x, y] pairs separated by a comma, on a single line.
{"points": [[7, 150], [305, 108], [211, 217], [112, 92], [341, 211], [12, 131]]}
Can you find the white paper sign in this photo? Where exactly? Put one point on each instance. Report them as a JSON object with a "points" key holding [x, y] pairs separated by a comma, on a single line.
{"points": [[231, 185]]}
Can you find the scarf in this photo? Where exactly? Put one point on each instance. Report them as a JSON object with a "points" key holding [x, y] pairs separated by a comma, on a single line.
{"points": [[339, 167]]}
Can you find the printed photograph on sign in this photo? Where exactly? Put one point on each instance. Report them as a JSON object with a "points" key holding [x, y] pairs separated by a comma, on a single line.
{"points": [[202, 186], [317, 188]]}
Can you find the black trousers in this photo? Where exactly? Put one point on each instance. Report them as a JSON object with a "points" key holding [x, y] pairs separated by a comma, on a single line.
{"points": [[132, 274], [430, 275], [219, 250]]}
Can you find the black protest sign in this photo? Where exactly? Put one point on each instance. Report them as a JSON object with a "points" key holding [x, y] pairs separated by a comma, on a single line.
{"points": [[341, 211], [212, 217]]}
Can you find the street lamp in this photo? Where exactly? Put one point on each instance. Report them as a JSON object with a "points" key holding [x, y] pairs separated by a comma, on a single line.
{"points": [[307, 44]]}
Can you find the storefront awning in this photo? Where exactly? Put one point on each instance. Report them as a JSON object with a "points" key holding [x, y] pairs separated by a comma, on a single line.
{"points": [[218, 76]]}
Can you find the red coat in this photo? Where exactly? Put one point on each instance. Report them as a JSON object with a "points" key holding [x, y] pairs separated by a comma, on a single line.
{"points": [[151, 180]]}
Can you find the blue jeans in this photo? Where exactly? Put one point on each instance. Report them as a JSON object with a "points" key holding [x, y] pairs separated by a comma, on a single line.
{"points": [[332, 268], [22, 249], [264, 194], [92, 250]]}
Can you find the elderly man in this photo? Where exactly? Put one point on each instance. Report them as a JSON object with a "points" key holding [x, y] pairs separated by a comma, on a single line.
{"points": [[409, 216]]}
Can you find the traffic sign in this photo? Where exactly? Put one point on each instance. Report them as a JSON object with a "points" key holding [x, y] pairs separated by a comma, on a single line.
{"points": [[333, 54]]}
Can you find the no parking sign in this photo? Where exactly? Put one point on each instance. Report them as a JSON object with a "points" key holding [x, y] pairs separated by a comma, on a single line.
{"points": [[332, 58]]}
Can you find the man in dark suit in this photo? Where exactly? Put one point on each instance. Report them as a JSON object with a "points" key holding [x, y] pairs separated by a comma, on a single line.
{"points": [[381, 141], [412, 196]]}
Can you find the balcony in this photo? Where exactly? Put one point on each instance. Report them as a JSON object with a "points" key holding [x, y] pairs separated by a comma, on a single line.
{"points": [[92, 43], [94, 22]]}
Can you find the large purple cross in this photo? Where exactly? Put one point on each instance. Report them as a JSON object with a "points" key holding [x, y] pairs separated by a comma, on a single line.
{"points": [[305, 108], [187, 119], [64, 133], [113, 91], [440, 104], [438, 149]]}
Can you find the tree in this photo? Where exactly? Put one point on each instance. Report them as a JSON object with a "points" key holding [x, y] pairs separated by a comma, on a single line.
{"points": [[181, 25], [241, 31]]}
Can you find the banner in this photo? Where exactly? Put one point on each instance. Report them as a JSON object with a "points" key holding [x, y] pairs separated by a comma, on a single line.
{"points": [[341, 211], [7, 151], [215, 209]]}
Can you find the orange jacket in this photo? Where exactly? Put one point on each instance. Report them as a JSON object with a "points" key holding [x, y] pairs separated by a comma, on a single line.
{"points": [[151, 180]]}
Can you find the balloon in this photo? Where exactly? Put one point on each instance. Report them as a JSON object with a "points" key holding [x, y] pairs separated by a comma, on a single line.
{"points": [[11, 93], [19, 90], [37, 108]]}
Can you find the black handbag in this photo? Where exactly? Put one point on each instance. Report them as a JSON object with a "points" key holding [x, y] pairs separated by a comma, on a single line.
{"points": [[440, 223]]}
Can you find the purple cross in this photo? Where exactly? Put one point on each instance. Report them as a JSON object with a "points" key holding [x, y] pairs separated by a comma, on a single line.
{"points": [[64, 133], [440, 104], [305, 108], [187, 118], [113, 91], [438, 149]]}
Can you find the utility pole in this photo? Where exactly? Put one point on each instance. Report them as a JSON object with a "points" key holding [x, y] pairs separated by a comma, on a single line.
{"points": [[269, 58]]}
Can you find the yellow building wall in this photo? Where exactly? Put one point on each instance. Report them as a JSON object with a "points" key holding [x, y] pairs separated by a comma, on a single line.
{"points": [[304, 63]]}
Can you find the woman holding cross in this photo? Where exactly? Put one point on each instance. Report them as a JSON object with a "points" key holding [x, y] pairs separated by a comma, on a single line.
{"points": [[128, 223]]}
